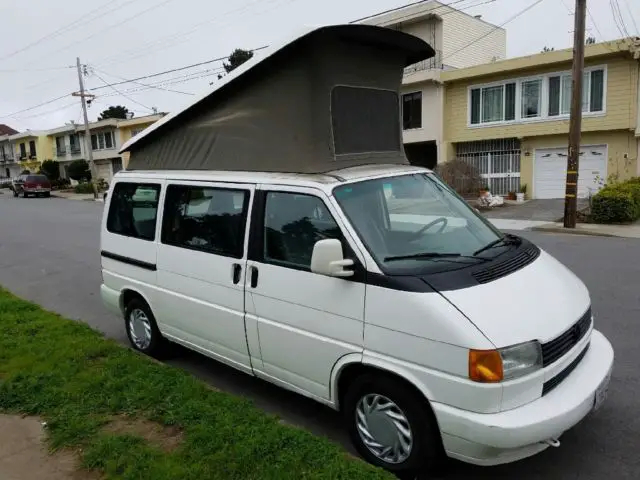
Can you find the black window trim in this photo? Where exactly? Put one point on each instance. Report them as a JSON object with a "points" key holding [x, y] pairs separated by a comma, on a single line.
{"points": [[245, 215], [131, 181], [255, 251], [413, 97]]}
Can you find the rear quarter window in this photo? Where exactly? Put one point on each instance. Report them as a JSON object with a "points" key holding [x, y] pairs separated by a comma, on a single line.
{"points": [[133, 211]]}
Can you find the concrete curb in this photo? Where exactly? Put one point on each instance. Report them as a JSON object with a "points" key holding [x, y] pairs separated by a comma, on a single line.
{"points": [[571, 231]]}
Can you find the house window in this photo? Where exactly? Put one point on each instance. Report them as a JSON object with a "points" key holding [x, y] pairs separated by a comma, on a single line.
{"points": [[560, 88], [135, 132], [32, 148], [531, 98], [493, 104], [540, 98], [23, 151], [412, 110], [60, 146], [74, 143], [102, 140]]}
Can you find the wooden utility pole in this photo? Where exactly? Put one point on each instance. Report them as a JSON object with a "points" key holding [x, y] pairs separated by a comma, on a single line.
{"points": [[573, 159], [87, 132]]}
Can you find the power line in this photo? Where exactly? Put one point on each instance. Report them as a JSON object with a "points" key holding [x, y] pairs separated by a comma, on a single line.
{"points": [[122, 94], [22, 70], [614, 12], [633, 18], [144, 84], [219, 59], [178, 38], [48, 112], [595, 25], [60, 31], [509, 20], [128, 19], [165, 82], [36, 106], [391, 10]]}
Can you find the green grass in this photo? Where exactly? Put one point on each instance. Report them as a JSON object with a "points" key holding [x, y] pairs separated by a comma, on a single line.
{"points": [[78, 382]]}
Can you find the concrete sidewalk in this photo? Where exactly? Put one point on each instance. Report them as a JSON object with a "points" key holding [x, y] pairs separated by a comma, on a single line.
{"points": [[595, 229], [24, 456], [77, 196]]}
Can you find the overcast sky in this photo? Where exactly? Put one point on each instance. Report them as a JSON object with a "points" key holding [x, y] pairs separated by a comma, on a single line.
{"points": [[131, 38]]}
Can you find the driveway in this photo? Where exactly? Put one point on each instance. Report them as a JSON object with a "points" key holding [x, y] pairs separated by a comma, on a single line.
{"points": [[49, 253], [551, 210]]}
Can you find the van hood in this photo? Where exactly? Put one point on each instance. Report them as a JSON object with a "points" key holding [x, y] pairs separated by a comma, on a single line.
{"points": [[537, 302]]}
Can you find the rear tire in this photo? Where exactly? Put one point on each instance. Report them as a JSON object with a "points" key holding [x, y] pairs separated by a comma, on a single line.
{"points": [[398, 426], [142, 330]]}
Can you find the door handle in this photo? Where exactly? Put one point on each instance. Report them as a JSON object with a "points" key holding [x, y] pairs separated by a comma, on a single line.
{"points": [[254, 277], [236, 270]]}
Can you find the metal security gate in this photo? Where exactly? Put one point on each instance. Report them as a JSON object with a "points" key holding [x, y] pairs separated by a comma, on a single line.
{"points": [[497, 161]]}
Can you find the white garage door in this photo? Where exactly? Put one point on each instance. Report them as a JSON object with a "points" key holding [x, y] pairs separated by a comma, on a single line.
{"points": [[550, 171], [103, 169]]}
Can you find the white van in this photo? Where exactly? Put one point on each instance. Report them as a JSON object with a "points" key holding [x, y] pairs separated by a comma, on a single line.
{"points": [[375, 290]]}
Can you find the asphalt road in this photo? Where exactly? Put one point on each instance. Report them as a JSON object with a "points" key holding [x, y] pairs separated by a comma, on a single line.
{"points": [[49, 254]]}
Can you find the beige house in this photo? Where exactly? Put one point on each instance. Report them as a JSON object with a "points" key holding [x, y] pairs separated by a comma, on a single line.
{"points": [[511, 119], [460, 41]]}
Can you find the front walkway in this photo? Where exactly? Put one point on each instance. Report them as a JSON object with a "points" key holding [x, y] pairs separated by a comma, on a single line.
{"points": [[551, 210]]}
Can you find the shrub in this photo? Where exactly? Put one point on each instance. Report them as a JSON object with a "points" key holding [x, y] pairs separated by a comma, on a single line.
{"points": [[463, 177], [617, 203], [79, 170], [83, 188], [60, 183], [51, 169]]}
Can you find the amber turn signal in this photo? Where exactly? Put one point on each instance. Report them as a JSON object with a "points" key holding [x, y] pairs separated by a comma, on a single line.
{"points": [[485, 366]]}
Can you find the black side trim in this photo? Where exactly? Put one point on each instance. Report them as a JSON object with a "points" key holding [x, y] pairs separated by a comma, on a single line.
{"points": [[557, 380], [129, 261]]}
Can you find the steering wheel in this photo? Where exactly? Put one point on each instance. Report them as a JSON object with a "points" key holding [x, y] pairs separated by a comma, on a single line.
{"points": [[442, 220]]}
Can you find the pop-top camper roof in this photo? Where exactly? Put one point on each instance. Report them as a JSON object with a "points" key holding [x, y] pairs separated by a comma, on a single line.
{"points": [[327, 100]]}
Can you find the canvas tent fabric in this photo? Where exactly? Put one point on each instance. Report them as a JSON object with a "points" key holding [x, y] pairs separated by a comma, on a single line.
{"points": [[327, 100]]}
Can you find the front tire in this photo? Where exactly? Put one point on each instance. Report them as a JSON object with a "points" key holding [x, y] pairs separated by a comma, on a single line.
{"points": [[391, 426], [142, 329]]}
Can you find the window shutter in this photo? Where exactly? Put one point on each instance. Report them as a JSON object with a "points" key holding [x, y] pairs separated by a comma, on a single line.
{"points": [[510, 102], [475, 106], [554, 96]]}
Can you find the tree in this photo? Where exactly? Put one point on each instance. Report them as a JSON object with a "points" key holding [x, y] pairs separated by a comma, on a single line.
{"points": [[115, 112], [237, 58], [79, 170], [590, 40], [51, 169]]}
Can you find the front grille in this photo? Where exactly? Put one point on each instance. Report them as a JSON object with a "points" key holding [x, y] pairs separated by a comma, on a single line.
{"points": [[555, 349], [503, 269], [557, 380]]}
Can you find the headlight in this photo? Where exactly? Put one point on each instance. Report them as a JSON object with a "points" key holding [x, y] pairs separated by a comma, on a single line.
{"points": [[490, 366]]}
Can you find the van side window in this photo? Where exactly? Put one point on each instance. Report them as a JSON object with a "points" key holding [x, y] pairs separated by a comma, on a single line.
{"points": [[293, 224], [134, 210], [212, 220]]}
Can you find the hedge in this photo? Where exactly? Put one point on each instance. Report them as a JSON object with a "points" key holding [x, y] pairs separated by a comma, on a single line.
{"points": [[617, 203]]}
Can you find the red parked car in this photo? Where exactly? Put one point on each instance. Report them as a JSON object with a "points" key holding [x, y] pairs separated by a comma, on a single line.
{"points": [[37, 185]]}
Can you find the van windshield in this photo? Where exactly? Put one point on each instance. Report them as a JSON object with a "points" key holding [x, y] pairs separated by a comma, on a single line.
{"points": [[411, 219]]}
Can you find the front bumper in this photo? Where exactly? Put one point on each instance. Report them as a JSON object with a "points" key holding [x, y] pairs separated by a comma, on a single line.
{"points": [[492, 439]]}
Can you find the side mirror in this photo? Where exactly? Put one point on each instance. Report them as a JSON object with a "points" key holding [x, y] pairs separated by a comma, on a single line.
{"points": [[328, 259]]}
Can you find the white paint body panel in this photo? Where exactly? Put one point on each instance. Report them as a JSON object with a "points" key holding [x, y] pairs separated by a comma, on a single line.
{"points": [[300, 330], [538, 297]]}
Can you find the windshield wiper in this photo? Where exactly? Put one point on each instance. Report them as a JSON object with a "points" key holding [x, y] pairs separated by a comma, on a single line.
{"points": [[508, 239], [429, 255]]}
